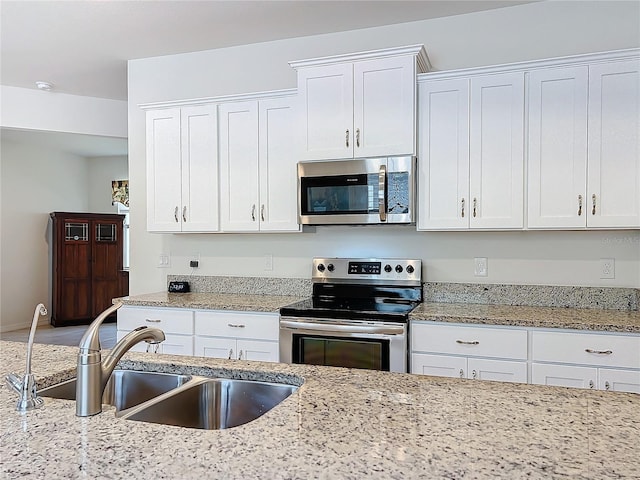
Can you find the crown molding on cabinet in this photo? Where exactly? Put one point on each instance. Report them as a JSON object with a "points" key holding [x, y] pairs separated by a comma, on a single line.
{"points": [[221, 99], [424, 65], [572, 60]]}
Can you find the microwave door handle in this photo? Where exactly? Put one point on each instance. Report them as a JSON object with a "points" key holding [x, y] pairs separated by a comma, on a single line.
{"points": [[382, 189]]}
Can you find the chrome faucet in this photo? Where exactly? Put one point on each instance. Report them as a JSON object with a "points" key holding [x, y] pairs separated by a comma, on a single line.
{"points": [[27, 387], [93, 373]]}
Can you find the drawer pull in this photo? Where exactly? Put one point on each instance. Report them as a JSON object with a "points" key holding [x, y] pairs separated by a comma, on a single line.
{"points": [[235, 325], [607, 386], [461, 373], [240, 355], [592, 385], [474, 375], [599, 352], [463, 342], [152, 320]]}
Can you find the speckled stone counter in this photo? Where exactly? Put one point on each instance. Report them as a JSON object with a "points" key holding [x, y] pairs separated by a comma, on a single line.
{"points": [[545, 317], [340, 424], [212, 301]]}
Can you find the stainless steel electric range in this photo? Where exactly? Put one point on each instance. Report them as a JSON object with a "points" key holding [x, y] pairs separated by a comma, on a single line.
{"points": [[357, 316]]}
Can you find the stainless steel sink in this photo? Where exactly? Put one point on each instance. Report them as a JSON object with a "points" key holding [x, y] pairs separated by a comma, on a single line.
{"points": [[125, 388], [212, 404]]}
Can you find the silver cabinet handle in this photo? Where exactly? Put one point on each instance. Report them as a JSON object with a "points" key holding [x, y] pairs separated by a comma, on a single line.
{"points": [[235, 325], [464, 342], [579, 205], [593, 199], [599, 352], [262, 212], [152, 320], [475, 207], [175, 214], [184, 214], [461, 373], [382, 193], [607, 386], [253, 212], [462, 210], [474, 374], [591, 384], [240, 355], [346, 138], [230, 353], [357, 137], [153, 347]]}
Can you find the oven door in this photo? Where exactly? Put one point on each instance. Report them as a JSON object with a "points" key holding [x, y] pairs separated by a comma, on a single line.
{"points": [[344, 343]]}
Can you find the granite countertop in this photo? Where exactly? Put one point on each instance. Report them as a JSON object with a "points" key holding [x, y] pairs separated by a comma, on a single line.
{"points": [[521, 316], [340, 424], [212, 301]]}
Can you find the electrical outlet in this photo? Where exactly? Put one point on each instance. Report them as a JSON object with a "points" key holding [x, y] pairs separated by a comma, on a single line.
{"points": [[268, 262], [608, 268], [195, 260], [481, 267], [164, 260]]}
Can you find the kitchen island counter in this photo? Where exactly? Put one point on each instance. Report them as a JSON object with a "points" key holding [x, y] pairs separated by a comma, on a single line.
{"points": [[340, 424]]}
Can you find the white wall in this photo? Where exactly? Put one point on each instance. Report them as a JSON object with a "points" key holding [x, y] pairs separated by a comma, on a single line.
{"points": [[527, 32], [102, 171], [35, 182]]}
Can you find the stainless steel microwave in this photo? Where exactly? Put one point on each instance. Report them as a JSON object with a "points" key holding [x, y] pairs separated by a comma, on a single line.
{"points": [[377, 190]]}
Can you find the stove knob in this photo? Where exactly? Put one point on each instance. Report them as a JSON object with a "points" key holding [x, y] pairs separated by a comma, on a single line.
{"points": [[387, 268], [321, 267], [330, 267], [399, 268], [410, 269]]}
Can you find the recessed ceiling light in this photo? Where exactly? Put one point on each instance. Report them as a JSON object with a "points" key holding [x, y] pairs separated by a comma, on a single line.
{"points": [[46, 86]]}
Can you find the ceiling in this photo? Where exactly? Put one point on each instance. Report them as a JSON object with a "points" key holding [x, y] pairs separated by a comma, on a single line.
{"points": [[82, 46]]}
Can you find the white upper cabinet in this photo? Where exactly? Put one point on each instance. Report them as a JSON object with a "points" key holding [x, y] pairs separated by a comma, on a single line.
{"points": [[557, 166], [359, 105], [258, 166], [584, 146], [443, 154], [613, 186], [182, 169], [471, 152], [496, 151]]}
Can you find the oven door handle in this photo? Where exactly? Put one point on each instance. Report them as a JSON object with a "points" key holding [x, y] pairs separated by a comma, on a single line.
{"points": [[343, 328]]}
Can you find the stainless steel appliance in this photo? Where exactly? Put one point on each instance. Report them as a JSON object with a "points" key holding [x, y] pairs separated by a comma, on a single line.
{"points": [[357, 316], [365, 191]]}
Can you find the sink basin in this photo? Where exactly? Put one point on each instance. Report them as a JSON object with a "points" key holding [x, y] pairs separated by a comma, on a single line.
{"points": [[125, 388], [212, 404]]}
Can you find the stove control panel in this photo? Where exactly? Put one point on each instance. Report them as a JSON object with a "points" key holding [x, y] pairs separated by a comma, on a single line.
{"points": [[367, 270]]}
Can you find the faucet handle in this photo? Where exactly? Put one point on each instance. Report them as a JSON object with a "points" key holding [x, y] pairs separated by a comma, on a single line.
{"points": [[26, 389]]}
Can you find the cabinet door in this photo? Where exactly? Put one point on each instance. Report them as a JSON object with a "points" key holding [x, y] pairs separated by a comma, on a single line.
{"points": [[384, 106], [497, 370], [497, 151], [72, 269], [614, 145], [215, 347], [163, 170], [439, 365], [258, 350], [239, 202], [199, 211], [175, 345], [619, 380], [325, 94], [564, 375], [557, 162], [277, 165], [106, 263], [443, 156]]}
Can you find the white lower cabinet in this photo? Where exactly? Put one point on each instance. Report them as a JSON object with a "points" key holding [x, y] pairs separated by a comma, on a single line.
{"points": [[586, 360], [481, 353], [176, 323], [237, 335]]}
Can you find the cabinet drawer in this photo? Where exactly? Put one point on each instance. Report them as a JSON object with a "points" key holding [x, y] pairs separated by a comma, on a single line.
{"points": [[173, 344], [470, 341], [169, 320], [586, 349], [262, 326]]}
